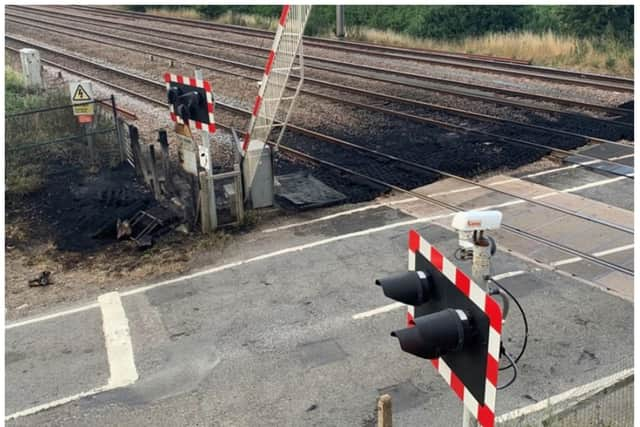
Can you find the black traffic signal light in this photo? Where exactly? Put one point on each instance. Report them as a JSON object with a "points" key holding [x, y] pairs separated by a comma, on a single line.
{"points": [[436, 334], [189, 102], [446, 323]]}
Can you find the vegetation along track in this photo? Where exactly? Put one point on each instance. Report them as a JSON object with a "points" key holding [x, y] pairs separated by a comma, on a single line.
{"points": [[466, 61], [375, 156], [472, 91], [579, 127]]}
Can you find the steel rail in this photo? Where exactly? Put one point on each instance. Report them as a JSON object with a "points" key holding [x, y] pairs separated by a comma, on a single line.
{"points": [[513, 93], [377, 153], [308, 40], [465, 113], [514, 230], [546, 148], [571, 77]]}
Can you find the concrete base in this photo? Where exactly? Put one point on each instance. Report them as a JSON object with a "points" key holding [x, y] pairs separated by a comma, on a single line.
{"points": [[258, 175], [31, 68]]}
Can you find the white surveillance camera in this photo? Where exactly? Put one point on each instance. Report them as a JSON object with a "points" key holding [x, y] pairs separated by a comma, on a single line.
{"points": [[466, 223], [477, 220]]}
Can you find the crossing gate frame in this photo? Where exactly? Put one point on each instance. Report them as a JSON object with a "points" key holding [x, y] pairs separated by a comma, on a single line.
{"points": [[287, 44]]}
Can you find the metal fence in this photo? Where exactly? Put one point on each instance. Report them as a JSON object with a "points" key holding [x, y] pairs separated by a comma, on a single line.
{"points": [[607, 402], [44, 142]]}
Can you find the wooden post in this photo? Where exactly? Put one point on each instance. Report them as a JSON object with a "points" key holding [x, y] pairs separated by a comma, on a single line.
{"points": [[204, 202], [116, 122], [164, 146], [154, 172], [85, 130], [135, 149], [384, 411]]}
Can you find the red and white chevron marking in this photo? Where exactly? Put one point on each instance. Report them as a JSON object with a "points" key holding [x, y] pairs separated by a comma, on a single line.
{"points": [[484, 413], [203, 84], [265, 77]]}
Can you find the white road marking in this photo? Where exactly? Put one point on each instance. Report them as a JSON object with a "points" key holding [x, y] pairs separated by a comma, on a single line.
{"points": [[379, 310], [601, 253], [339, 214], [394, 306], [509, 274], [286, 251], [300, 248], [54, 403], [122, 368], [52, 316], [575, 393]]}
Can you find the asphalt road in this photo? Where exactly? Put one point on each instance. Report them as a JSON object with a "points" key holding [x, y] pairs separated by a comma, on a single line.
{"points": [[273, 341]]}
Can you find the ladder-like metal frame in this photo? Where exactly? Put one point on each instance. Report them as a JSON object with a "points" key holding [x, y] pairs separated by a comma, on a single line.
{"points": [[287, 44]]}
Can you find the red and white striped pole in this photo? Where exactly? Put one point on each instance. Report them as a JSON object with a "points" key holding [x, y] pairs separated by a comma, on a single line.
{"points": [[265, 77]]}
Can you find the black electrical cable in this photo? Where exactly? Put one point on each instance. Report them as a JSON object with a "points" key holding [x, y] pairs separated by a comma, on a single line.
{"points": [[524, 319], [515, 370]]}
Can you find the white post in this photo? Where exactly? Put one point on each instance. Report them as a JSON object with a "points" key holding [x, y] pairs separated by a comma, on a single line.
{"points": [[340, 21], [31, 67], [481, 271]]}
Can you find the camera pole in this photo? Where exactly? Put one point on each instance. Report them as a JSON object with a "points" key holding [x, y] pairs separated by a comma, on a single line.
{"points": [[481, 271]]}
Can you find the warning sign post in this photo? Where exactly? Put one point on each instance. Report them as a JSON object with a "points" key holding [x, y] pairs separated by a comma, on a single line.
{"points": [[82, 100]]}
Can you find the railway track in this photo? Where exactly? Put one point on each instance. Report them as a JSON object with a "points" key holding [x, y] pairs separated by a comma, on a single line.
{"points": [[444, 112], [472, 91], [438, 123], [159, 100], [466, 61]]}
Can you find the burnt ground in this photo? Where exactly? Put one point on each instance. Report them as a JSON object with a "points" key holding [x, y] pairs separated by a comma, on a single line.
{"points": [[79, 212], [463, 154]]}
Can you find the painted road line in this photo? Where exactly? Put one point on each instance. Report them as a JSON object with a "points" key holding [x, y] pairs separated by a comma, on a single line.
{"points": [[394, 306], [574, 394], [379, 310], [122, 368], [122, 365], [54, 403], [52, 316], [599, 254], [290, 250], [339, 214]]}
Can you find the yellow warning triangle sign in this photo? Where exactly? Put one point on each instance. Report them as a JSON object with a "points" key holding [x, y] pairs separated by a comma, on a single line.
{"points": [[80, 94]]}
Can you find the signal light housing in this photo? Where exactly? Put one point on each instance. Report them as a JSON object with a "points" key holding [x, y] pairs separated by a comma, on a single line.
{"points": [[436, 334], [412, 287]]}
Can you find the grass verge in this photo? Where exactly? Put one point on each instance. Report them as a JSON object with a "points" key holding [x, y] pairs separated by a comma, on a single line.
{"points": [[546, 49]]}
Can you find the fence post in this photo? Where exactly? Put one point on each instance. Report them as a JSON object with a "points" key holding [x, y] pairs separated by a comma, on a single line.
{"points": [[86, 132], [123, 153], [135, 149], [164, 147], [154, 172], [384, 411]]}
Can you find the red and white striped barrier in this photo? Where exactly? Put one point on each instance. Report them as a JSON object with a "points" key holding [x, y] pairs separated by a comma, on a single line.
{"points": [[265, 77], [202, 84], [484, 413]]}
